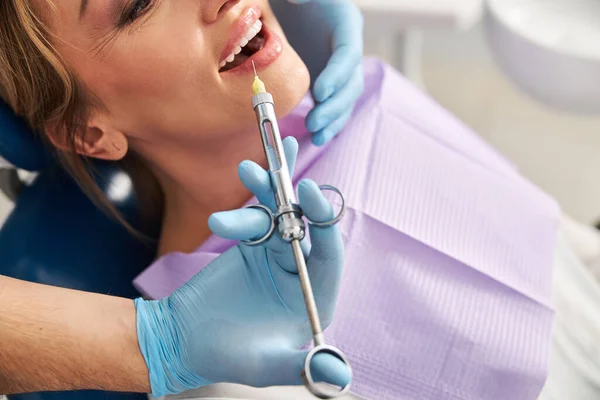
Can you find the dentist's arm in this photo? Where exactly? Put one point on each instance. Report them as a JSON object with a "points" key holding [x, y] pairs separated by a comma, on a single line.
{"points": [[58, 339], [242, 319]]}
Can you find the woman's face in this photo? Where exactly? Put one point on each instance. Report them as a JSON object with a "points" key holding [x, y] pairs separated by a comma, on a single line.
{"points": [[157, 65]]}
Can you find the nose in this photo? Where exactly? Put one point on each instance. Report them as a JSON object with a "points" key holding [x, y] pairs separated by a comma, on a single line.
{"points": [[215, 8]]}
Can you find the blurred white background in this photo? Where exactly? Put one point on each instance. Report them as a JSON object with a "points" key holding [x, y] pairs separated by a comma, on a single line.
{"points": [[556, 150]]}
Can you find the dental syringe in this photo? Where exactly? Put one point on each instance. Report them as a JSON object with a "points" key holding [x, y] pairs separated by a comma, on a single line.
{"points": [[288, 219]]}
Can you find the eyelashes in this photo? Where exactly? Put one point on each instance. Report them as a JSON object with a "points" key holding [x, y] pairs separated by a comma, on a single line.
{"points": [[140, 7], [129, 21], [133, 11]]}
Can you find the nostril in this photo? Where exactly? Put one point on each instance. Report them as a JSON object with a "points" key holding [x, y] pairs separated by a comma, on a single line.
{"points": [[227, 5]]}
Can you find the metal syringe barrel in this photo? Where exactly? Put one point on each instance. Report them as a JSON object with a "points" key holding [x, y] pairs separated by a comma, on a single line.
{"points": [[291, 225]]}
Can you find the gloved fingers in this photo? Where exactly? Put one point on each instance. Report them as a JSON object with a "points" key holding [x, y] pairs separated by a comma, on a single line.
{"points": [[342, 103], [241, 224], [277, 265], [326, 257], [257, 180], [325, 135], [281, 254], [287, 366], [347, 50], [253, 224], [329, 249], [290, 148]]}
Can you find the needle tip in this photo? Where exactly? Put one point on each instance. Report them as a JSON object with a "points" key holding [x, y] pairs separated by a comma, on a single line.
{"points": [[258, 86]]}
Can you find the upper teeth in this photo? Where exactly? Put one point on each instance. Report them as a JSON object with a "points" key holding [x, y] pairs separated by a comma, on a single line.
{"points": [[251, 34]]}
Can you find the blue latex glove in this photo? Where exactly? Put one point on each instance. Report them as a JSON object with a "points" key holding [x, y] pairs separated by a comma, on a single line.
{"points": [[341, 83], [242, 319]]}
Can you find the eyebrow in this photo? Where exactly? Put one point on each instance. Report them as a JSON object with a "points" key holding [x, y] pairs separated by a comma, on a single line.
{"points": [[83, 7]]}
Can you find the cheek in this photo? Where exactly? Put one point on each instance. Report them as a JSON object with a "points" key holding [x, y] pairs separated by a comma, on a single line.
{"points": [[289, 82], [148, 70]]}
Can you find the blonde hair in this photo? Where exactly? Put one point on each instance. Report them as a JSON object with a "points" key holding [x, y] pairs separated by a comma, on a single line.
{"points": [[38, 86]]}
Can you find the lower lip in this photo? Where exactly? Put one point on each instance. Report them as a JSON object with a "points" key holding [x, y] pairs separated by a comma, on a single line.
{"points": [[264, 57]]}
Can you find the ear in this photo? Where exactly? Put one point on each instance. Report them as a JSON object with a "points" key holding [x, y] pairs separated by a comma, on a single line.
{"points": [[98, 139]]}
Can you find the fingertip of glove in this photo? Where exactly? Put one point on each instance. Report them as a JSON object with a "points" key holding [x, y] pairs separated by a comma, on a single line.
{"points": [[248, 170], [324, 136], [318, 139], [291, 141], [307, 186], [311, 120], [216, 223], [244, 165], [322, 92], [323, 89]]}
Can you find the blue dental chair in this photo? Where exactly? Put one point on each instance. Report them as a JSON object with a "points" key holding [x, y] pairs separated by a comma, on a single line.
{"points": [[55, 235]]}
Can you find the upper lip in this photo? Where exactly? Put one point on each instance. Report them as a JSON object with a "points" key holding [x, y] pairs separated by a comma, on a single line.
{"points": [[240, 28]]}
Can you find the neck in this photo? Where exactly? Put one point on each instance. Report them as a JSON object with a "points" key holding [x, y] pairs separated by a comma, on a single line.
{"points": [[199, 180]]}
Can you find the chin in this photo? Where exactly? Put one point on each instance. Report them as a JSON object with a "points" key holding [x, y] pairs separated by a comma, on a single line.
{"points": [[288, 80]]}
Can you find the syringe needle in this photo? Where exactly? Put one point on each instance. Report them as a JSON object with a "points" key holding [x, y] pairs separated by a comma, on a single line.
{"points": [[258, 86]]}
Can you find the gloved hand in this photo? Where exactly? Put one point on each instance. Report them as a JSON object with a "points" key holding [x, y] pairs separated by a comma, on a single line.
{"points": [[341, 83], [242, 319]]}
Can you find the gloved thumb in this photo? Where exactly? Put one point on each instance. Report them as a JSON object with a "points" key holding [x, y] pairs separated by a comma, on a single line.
{"points": [[328, 368], [288, 365]]}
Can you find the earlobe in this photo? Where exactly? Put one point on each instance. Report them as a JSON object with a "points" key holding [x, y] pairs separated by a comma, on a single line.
{"points": [[96, 140], [105, 144]]}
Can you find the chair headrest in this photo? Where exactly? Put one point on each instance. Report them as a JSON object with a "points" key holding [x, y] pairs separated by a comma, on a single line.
{"points": [[18, 144]]}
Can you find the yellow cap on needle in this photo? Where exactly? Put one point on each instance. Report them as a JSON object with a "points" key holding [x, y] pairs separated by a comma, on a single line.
{"points": [[258, 86]]}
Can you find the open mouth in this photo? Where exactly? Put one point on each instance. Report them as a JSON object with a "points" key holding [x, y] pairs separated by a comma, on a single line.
{"points": [[253, 41]]}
